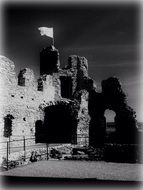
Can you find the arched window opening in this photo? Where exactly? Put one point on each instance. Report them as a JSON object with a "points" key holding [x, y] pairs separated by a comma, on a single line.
{"points": [[110, 116], [66, 86], [40, 85], [21, 78], [8, 125], [110, 124]]}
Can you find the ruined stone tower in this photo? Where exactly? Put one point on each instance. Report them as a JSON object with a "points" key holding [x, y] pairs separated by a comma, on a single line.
{"points": [[49, 60]]}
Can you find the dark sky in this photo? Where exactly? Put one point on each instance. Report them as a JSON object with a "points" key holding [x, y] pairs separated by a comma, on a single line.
{"points": [[106, 34]]}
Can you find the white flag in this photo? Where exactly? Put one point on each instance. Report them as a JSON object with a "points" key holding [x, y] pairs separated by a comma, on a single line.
{"points": [[46, 31]]}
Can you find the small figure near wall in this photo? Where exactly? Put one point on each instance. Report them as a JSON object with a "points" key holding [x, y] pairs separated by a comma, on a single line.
{"points": [[33, 157]]}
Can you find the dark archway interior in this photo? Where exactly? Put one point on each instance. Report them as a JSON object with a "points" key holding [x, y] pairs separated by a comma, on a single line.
{"points": [[59, 125]]}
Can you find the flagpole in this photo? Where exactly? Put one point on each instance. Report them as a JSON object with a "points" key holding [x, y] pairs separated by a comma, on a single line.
{"points": [[53, 38]]}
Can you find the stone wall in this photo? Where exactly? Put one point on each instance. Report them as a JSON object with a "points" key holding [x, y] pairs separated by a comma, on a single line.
{"points": [[22, 102], [84, 119], [24, 96]]}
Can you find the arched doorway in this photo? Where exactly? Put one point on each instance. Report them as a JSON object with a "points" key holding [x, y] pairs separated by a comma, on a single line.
{"points": [[59, 125]]}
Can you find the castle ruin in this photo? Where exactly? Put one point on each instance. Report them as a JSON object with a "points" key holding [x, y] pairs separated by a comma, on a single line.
{"points": [[62, 104]]}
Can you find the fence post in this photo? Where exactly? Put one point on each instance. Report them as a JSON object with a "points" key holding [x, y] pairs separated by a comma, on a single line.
{"points": [[47, 152], [9, 144], [7, 155], [24, 147]]}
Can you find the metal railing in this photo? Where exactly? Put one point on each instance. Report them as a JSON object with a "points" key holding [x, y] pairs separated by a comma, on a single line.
{"points": [[20, 146], [17, 151], [109, 151]]}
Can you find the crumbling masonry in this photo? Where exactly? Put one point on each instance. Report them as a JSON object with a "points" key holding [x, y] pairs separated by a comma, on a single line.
{"points": [[62, 104]]}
